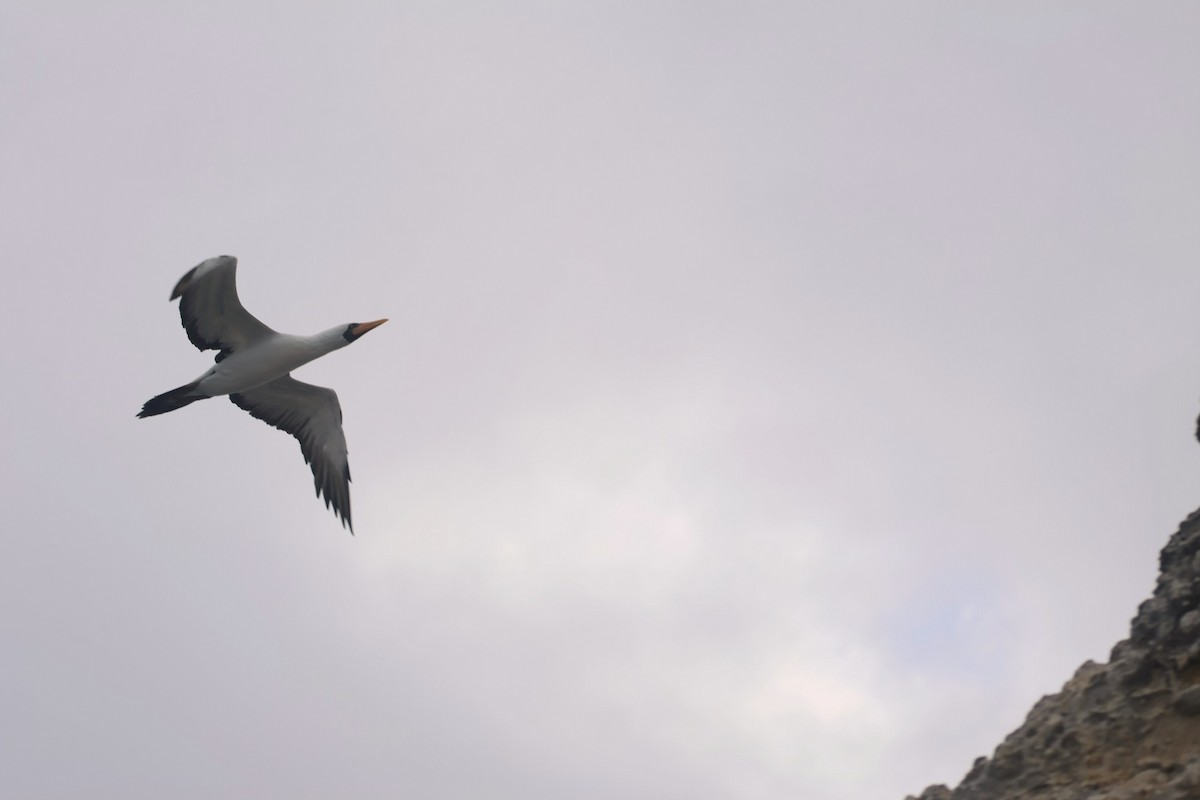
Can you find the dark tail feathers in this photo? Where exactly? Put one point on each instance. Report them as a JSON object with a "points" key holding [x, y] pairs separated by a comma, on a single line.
{"points": [[169, 401]]}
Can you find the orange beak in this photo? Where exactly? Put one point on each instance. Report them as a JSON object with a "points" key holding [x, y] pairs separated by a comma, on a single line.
{"points": [[361, 328]]}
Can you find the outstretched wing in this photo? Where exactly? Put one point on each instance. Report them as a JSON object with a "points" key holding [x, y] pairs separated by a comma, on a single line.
{"points": [[313, 415], [211, 312]]}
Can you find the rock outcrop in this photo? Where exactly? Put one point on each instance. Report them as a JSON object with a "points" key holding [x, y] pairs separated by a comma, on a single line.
{"points": [[1124, 730]]}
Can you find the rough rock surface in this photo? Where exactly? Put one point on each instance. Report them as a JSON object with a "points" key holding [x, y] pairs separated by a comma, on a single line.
{"points": [[1124, 730]]}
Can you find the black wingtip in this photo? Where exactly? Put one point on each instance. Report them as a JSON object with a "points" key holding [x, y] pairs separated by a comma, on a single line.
{"points": [[339, 511], [182, 286]]}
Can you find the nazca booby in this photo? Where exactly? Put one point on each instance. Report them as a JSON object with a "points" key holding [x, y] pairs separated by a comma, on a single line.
{"points": [[253, 367]]}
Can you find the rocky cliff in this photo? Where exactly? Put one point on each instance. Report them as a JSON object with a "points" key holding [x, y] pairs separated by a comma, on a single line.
{"points": [[1118, 731]]}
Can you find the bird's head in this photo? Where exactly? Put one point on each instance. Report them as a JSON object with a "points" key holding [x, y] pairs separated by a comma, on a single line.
{"points": [[356, 329]]}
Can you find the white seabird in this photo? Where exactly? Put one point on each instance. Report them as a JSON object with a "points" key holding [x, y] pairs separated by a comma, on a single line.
{"points": [[253, 367]]}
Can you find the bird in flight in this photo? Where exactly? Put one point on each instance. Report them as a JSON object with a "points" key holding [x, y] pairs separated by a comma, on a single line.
{"points": [[253, 367]]}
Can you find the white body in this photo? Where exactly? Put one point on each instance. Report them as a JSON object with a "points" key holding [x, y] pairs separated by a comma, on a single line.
{"points": [[266, 360]]}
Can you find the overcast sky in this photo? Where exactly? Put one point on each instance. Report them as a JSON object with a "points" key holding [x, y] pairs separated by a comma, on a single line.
{"points": [[778, 398]]}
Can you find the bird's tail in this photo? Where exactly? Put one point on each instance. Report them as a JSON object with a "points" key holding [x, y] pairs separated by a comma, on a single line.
{"points": [[169, 401]]}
